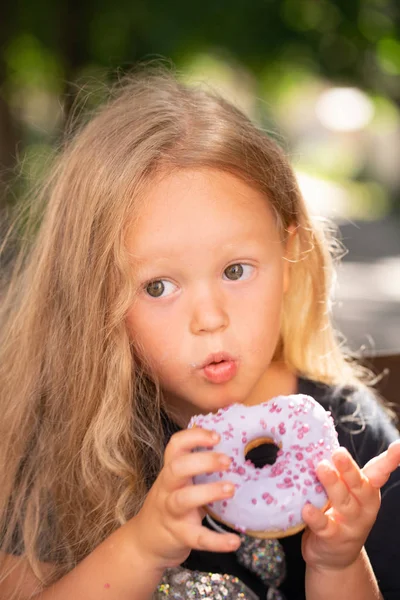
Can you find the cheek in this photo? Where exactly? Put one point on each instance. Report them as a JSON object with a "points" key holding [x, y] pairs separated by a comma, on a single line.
{"points": [[151, 339], [140, 330], [262, 323]]}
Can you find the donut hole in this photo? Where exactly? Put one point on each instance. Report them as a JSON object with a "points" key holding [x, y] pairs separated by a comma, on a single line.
{"points": [[261, 452]]}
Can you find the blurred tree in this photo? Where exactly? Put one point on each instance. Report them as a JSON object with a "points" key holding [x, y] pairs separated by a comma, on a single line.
{"points": [[53, 45], [8, 134]]}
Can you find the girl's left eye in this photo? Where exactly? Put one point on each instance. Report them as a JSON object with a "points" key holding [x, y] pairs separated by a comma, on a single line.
{"points": [[238, 271]]}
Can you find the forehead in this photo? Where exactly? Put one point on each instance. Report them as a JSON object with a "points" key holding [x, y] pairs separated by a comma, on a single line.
{"points": [[198, 206]]}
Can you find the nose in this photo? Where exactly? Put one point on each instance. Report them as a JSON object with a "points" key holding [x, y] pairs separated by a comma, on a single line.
{"points": [[209, 313]]}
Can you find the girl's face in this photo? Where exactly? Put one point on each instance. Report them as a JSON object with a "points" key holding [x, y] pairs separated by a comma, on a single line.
{"points": [[210, 272]]}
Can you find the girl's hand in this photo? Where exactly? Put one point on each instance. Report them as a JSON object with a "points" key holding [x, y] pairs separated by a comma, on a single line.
{"points": [[169, 525], [334, 538]]}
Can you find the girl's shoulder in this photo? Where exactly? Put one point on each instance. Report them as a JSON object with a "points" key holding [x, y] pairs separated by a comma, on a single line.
{"points": [[363, 424]]}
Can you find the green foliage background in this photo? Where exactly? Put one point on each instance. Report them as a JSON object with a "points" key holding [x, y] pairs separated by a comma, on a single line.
{"points": [[50, 49]]}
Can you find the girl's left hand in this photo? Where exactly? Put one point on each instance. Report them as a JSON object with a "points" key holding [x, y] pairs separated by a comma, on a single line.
{"points": [[335, 538]]}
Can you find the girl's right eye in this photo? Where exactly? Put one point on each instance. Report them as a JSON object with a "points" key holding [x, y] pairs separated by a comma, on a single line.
{"points": [[156, 288]]}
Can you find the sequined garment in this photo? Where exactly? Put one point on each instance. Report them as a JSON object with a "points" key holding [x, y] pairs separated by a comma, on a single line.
{"points": [[265, 558], [182, 584]]}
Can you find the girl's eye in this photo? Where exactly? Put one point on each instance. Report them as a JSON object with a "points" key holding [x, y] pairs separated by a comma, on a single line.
{"points": [[238, 271], [156, 288]]}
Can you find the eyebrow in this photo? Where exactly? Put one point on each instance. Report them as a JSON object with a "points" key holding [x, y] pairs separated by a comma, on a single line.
{"points": [[158, 251]]}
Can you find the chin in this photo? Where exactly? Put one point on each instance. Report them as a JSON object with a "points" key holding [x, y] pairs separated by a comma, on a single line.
{"points": [[225, 402]]}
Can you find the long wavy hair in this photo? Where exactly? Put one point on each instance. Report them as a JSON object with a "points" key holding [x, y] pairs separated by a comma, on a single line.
{"points": [[81, 428]]}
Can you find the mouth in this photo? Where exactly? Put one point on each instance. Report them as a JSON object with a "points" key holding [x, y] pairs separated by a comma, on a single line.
{"points": [[216, 358], [219, 367]]}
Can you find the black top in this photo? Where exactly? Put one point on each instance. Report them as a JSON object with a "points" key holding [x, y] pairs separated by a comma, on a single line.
{"points": [[365, 430]]}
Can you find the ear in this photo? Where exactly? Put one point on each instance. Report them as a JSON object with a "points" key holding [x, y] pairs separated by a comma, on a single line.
{"points": [[288, 256]]}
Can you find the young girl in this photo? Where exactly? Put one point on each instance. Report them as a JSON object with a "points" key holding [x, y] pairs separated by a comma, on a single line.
{"points": [[176, 271]]}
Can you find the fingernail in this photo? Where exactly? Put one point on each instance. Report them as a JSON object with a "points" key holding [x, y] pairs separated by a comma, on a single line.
{"points": [[326, 466], [342, 459], [228, 488], [215, 436], [234, 542], [224, 460]]}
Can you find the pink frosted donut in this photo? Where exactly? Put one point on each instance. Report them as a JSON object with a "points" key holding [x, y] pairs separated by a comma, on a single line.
{"points": [[268, 501]]}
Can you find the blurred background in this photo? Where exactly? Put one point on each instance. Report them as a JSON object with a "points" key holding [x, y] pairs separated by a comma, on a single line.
{"points": [[322, 76]]}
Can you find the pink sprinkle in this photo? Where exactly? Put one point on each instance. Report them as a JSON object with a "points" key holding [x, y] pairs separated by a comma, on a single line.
{"points": [[107, 586], [254, 501], [268, 498]]}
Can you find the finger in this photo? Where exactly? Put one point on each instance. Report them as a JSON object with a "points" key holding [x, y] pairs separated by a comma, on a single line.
{"points": [[318, 521], [344, 503], [187, 440], [379, 469], [202, 538], [351, 474], [190, 497], [177, 472]]}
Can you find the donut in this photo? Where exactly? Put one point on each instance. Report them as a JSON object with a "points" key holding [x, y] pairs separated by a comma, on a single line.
{"points": [[268, 501]]}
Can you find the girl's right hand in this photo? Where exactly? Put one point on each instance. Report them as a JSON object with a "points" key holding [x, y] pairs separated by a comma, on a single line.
{"points": [[168, 526]]}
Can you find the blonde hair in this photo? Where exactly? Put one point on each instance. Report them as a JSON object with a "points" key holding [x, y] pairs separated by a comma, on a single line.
{"points": [[81, 431]]}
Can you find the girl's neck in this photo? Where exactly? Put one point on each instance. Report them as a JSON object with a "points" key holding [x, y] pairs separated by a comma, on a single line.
{"points": [[277, 380]]}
